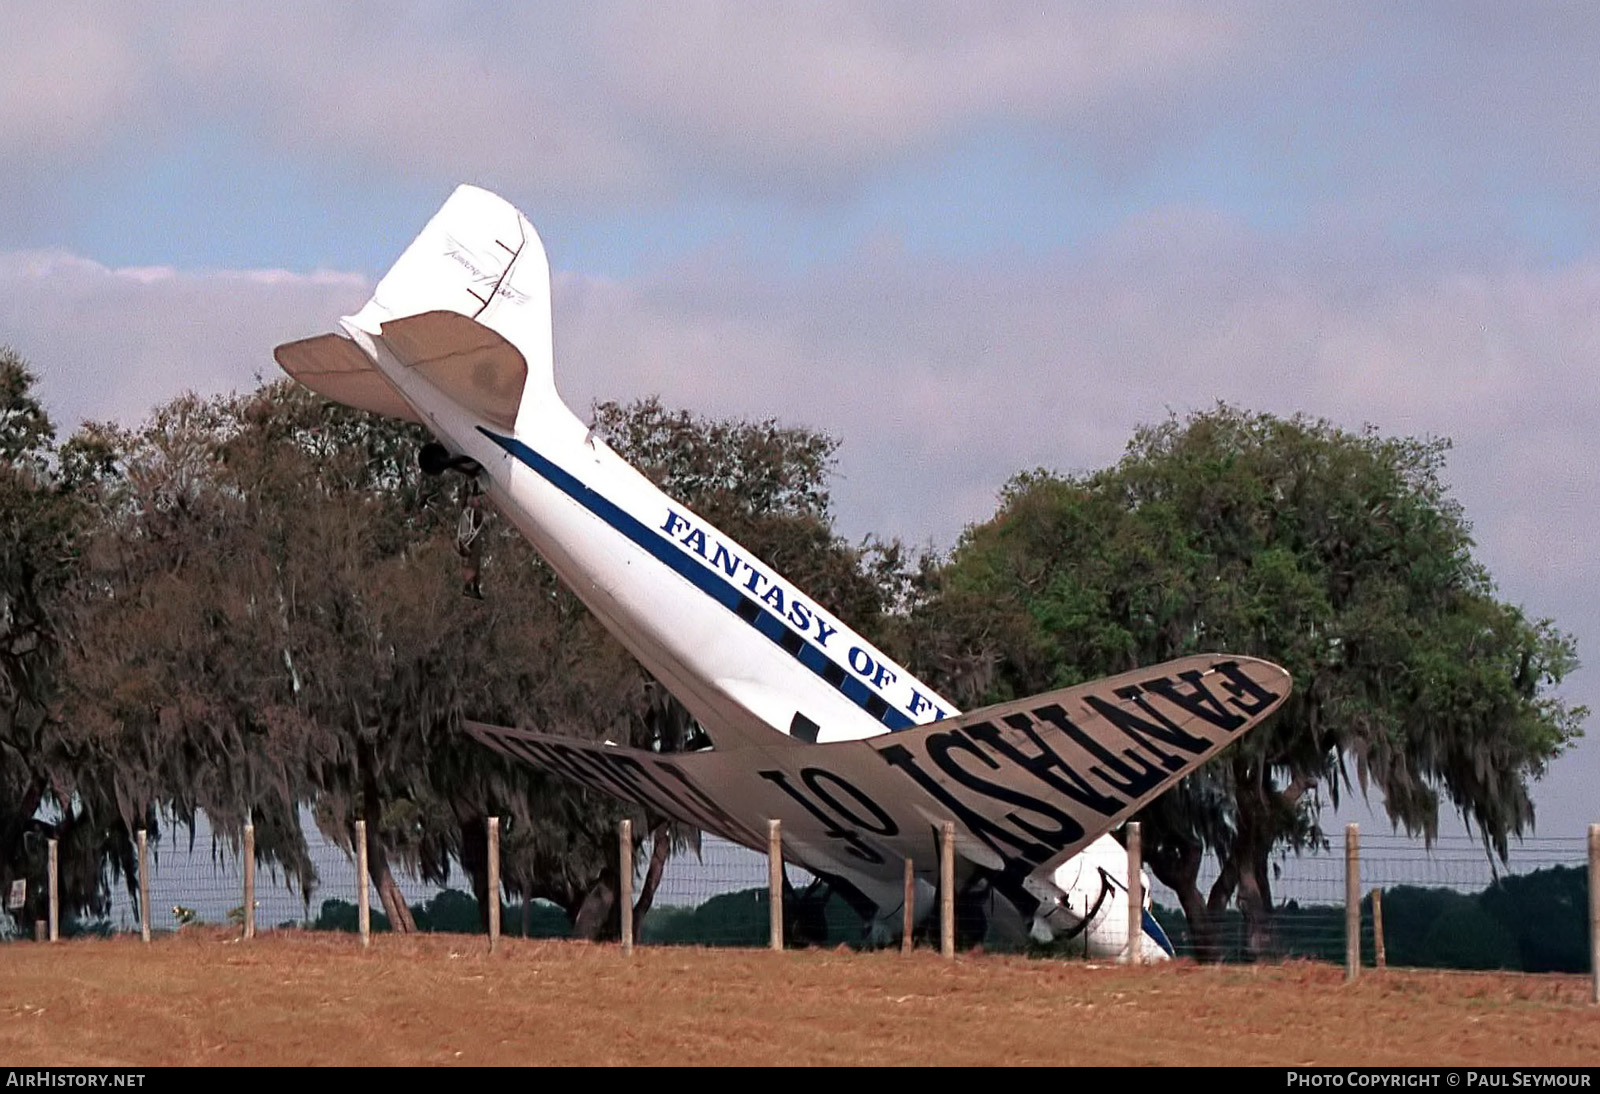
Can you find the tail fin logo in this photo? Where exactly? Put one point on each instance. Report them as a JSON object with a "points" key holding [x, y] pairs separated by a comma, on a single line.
{"points": [[494, 282]]}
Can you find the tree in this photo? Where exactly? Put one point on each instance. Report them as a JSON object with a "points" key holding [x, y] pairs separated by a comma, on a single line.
{"points": [[270, 616], [1340, 556], [274, 618], [42, 524]]}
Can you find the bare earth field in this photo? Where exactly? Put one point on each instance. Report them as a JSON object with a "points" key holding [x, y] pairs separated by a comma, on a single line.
{"points": [[290, 998]]}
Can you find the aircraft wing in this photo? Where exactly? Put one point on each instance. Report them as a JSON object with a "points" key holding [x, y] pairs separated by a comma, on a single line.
{"points": [[1028, 783]]}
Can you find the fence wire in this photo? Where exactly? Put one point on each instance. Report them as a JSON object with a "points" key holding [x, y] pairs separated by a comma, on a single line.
{"points": [[1449, 905]]}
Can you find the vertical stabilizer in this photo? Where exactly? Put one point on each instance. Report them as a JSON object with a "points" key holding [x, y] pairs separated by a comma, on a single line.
{"points": [[481, 259]]}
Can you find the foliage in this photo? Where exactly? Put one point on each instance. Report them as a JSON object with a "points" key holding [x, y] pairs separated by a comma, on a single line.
{"points": [[50, 788], [1340, 556], [1544, 912], [449, 911], [273, 616], [1533, 922], [728, 919], [264, 611]]}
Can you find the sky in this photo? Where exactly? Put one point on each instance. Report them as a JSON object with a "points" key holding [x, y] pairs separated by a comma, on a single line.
{"points": [[966, 239]]}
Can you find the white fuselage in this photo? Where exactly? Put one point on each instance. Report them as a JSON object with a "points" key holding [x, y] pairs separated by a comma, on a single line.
{"points": [[670, 586], [660, 578]]}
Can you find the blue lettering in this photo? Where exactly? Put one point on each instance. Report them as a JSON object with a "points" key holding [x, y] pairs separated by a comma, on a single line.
{"points": [[696, 542], [920, 703], [674, 522], [756, 578], [882, 677], [799, 615], [824, 632], [774, 596], [867, 664], [725, 558]]}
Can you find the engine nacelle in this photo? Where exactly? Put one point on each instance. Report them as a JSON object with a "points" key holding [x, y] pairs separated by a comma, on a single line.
{"points": [[1086, 899]]}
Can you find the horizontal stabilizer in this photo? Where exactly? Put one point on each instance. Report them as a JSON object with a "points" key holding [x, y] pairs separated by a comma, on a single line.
{"points": [[334, 366], [470, 363]]}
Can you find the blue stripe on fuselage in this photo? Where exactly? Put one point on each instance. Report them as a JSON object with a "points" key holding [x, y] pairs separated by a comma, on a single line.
{"points": [[708, 581], [1153, 929]]}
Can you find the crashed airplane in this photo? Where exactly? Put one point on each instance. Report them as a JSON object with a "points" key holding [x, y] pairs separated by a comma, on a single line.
{"points": [[809, 723]]}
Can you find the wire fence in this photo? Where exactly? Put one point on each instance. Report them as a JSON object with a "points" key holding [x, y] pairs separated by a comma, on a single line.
{"points": [[196, 879], [1449, 905]]}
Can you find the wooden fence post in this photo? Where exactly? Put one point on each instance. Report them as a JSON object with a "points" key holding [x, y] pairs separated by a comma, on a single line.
{"points": [[363, 912], [1135, 951], [1594, 913], [144, 885], [1352, 902], [775, 884], [947, 889], [908, 919], [494, 883], [55, 894], [249, 880], [625, 880], [1380, 957]]}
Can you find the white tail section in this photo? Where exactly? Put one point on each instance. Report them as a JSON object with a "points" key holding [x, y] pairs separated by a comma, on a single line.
{"points": [[481, 260]]}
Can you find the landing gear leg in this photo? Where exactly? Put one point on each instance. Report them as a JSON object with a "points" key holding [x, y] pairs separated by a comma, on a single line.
{"points": [[468, 547], [433, 459]]}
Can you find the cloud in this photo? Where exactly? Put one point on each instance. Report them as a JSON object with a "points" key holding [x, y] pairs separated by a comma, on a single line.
{"points": [[114, 343], [771, 92], [615, 97], [629, 102], [942, 378], [65, 76]]}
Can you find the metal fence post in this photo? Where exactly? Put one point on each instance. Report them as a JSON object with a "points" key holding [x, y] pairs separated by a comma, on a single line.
{"points": [[55, 894], [947, 889], [1352, 902], [1594, 913], [1135, 894], [625, 877], [249, 880], [908, 919], [1380, 958], [363, 912], [144, 885], [494, 883], [775, 884]]}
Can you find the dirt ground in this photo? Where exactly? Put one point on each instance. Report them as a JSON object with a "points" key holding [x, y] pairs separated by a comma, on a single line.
{"points": [[291, 998]]}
